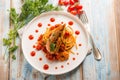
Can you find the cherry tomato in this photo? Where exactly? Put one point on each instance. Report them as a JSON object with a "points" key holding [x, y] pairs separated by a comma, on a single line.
{"points": [[79, 11], [38, 47], [74, 12], [78, 6], [71, 8], [50, 56], [66, 2], [75, 0], [61, 2], [44, 50], [66, 34], [72, 2]]}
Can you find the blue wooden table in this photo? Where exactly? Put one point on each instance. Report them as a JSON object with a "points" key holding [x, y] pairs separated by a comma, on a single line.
{"points": [[104, 18]]}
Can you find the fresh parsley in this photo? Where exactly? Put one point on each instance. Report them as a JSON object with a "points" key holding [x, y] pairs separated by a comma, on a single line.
{"points": [[52, 46], [29, 10]]}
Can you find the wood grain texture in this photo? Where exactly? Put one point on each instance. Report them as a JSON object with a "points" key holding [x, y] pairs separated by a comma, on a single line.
{"points": [[117, 20], [4, 26], [102, 21]]}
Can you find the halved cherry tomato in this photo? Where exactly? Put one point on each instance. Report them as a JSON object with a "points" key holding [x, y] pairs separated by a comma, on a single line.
{"points": [[78, 6], [74, 12], [72, 2], [71, 8]]}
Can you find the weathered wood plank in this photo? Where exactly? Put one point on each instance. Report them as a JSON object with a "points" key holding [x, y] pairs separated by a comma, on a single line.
{"points": [[89, 63], [117, 21], [102, 21], [114, 60], [4, 26]]}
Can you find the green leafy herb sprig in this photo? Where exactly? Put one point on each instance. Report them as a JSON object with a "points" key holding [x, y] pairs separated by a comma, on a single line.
{"points": [[29, 10]]}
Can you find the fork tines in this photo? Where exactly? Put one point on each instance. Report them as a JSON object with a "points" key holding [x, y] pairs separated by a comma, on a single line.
{"points": [[83, 17]]}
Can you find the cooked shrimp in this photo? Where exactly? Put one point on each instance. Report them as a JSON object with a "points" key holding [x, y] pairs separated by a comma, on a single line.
{"points": [[54, 37]]}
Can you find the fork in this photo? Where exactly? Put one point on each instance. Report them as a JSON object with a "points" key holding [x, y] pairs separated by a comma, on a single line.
{"points": [[96, 52]]}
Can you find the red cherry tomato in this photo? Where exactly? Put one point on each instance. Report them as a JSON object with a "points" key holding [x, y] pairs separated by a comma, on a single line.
{"points": [[38, 47], [74, 12], [61, 2], [79, 11], [49, 56], [66, 34], [72, 2], [75, 0], [66, 2], [78, 6], [71, 8]]}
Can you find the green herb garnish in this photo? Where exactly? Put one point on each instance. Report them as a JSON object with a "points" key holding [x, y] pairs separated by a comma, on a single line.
{"points": [[52, 46], [29, 10]]}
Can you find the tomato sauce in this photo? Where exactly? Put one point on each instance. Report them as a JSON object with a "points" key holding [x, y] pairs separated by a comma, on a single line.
{"points": [[48, 24], [52, 27], [73, 58], [52, 19], [62, 22], [40, 59], [77, 32], [56, 67], [70, 23], [45, 66], [33, 53], [62, 66], [33, 46], [80, 44], [77, 53], [38, 47], [31, 37], [36, 31], [40, 24], [68, 63]]}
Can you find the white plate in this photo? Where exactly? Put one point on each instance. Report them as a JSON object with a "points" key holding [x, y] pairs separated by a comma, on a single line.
{"points": [[62, 67]]}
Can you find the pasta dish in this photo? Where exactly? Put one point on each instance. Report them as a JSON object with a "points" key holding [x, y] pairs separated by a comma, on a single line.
{"points": [[57, 42]]}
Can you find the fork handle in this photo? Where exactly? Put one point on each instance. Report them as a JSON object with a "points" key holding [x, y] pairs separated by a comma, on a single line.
{"points": [[96, 51]]}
